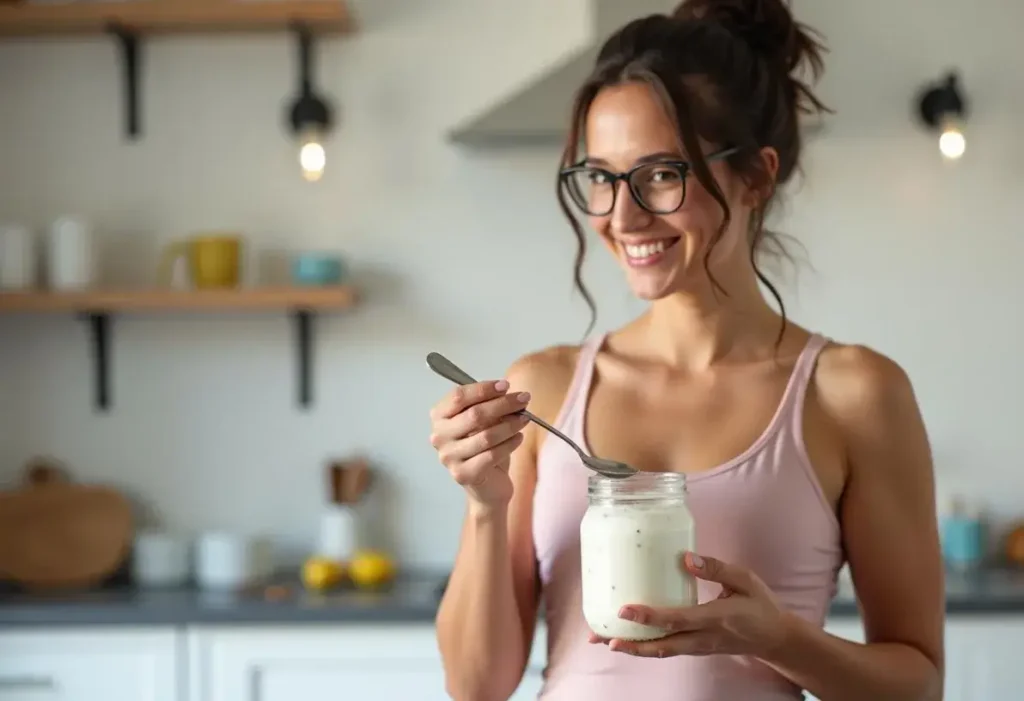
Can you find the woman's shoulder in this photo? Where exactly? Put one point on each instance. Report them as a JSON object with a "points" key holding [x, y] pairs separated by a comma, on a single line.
{"points": [[863, 390], [547, 375]]}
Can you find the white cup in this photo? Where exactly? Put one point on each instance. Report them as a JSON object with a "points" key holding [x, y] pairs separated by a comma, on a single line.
{"points": [[160, 560], [71, 259], [229, 561], [17, 257]]}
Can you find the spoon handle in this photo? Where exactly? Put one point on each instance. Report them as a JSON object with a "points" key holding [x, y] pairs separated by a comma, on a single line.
{"points": [[450, 371], [545, 425]]}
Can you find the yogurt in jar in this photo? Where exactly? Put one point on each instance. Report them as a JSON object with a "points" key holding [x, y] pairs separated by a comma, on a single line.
{"points": [[631, 538]]}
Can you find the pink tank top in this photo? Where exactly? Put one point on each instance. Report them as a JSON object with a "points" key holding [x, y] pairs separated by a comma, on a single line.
{"points": [[763, 509]]}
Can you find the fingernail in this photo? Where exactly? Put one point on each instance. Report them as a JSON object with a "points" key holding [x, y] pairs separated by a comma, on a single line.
{"points": [[501, 385], [627, 614], [523, 397], [697, 561]]}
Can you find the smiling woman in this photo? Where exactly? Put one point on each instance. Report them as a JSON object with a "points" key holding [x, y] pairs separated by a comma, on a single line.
{"points": [[799, 452]]}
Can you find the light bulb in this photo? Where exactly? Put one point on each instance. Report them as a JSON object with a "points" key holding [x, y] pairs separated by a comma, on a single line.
{"points": [[312, 157], [952, 143]]}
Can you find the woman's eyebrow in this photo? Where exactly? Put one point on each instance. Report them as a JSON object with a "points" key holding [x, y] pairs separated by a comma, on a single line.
{"points": [[649, 158]]}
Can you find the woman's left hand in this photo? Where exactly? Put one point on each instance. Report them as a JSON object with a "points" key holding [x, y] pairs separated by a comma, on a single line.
{"points": [[745, 619]]}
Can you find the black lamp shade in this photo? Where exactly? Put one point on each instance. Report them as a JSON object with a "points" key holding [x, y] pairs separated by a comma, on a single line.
{"points": [[941, 101]]}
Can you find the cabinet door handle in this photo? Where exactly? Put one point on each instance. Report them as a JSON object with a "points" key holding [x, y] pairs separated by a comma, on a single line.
{"points": [[26, 682]]}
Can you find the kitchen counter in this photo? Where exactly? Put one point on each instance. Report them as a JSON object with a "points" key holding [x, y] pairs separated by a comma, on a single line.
{"points": [[411, 599]]}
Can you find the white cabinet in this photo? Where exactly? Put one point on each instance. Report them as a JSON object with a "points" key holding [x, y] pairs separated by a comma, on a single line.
{"points": [[984, 658], [89, 665], [358, 662], [343, 662], [983, 655]]}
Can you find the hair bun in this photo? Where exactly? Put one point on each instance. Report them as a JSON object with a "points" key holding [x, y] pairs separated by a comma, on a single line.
{"points": [[767, 26]]}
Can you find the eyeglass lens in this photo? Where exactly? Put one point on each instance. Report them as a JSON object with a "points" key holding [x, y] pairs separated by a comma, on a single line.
{"points": [[657, 187]]}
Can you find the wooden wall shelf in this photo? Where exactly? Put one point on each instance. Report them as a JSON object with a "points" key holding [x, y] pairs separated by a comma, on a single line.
{"points": [[98, 306], [127, 21], [172, 16], [169, 299]]}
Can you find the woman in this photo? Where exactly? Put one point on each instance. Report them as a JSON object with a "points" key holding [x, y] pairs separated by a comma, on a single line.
{"points": [[801, 453]]}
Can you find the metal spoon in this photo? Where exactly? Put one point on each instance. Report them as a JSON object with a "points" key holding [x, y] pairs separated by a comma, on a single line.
{"points": [[609, 468]]}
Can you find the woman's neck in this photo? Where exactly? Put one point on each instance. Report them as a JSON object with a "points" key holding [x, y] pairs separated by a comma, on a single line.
{"points": [[693, 331]]}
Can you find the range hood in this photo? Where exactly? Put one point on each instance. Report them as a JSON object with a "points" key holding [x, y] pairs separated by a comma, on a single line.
{"points": [[538, 113]]}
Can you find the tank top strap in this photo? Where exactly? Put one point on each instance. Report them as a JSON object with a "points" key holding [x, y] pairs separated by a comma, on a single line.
{"points": [[800, 380], [579, 388]]}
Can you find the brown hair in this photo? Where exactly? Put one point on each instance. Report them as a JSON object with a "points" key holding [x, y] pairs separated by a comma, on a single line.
{"points": [[726, 71]]}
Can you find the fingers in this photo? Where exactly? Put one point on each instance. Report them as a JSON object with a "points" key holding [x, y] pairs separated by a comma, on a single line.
{"points": [[695, 644], [465, 396], [738, 579], [477, 418], [475, 471], [677, 620], [482, 441]]}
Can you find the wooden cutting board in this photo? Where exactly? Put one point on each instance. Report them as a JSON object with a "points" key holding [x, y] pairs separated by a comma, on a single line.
{"points": [[55, 534]]}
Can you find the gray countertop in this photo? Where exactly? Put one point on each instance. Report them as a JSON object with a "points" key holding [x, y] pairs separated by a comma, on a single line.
{"points": [[412, 599]]}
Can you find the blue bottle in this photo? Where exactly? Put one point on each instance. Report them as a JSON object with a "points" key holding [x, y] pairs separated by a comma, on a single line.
{"points": [[962, 536]]}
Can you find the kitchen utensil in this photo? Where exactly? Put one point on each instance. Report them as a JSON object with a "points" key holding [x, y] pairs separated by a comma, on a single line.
{"points": [[609, 468], [58, 535], [214, 260], [339, 524]]}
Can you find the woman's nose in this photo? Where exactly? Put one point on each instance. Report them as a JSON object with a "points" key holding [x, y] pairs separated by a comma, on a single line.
{"points": [[628, 215]]}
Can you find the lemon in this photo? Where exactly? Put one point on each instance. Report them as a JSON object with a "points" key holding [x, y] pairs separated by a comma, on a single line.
{"points": [[320, 573], [371, 568]]}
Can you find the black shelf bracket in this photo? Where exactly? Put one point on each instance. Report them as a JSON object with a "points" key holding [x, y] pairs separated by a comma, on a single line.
{"points": [[99, 331], [303, 319], [100, 325], [128, 43]]}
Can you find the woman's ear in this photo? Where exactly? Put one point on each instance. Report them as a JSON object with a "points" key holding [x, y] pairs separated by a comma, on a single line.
{"points": [[757, 196]]}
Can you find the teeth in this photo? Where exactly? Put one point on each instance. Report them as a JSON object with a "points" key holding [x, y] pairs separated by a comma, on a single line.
{"points": [[644, 250]]}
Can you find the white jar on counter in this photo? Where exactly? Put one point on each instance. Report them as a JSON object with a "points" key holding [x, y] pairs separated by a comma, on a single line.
{"points": [[160, 560], [339, 536], [631, 538]]}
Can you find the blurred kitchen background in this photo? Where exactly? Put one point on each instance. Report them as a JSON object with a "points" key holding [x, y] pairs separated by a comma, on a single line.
{"points": [[432, 230]]}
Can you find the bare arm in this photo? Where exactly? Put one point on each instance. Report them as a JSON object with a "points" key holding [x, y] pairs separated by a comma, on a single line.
{"points": [[486, 620], [891, 539]]}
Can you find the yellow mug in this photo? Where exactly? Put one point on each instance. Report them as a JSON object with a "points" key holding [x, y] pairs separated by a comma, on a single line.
{"points": [[214, 260]]}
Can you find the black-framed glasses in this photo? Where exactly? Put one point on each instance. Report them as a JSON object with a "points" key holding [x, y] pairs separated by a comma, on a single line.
{"points": [[658, 187]]}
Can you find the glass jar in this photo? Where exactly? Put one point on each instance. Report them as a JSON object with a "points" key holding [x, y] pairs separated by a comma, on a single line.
{"points": [[631, 538]]}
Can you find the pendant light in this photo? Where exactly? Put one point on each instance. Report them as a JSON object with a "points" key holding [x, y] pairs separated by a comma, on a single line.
{"points": [[309, 115], [943, 108]]}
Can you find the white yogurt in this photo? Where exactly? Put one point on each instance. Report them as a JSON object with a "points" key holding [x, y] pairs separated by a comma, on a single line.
{"points": [[631, 539]]}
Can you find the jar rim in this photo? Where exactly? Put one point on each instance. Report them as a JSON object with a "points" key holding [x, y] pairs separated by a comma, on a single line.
{"points": [[642, 484]]}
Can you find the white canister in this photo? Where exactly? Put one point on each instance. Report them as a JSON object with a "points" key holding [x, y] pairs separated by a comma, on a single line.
{"points": [[229, 560], [71, 258], [339, 536], [17, 257], [160, 560]]}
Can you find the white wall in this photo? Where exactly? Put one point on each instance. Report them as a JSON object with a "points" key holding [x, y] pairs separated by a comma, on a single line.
{"points": [[454, 248]]}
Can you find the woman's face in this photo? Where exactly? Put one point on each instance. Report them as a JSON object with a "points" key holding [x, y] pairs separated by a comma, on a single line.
{"points": [[661, 253]]}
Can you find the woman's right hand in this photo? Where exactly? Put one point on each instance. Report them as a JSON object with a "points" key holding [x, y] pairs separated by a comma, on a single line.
{"points": [[474, 429]]}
